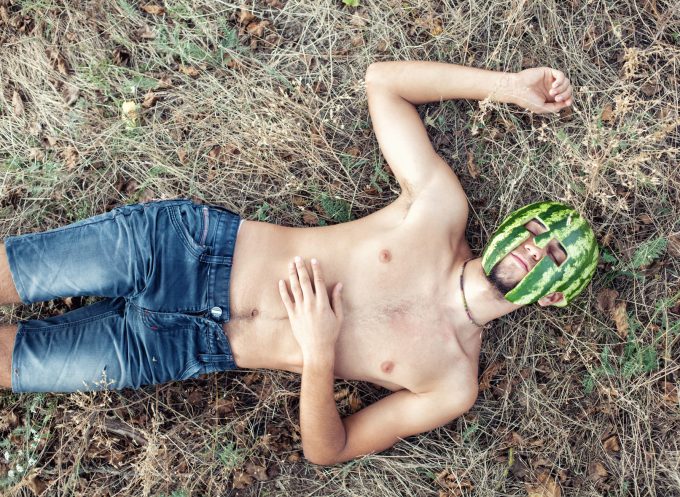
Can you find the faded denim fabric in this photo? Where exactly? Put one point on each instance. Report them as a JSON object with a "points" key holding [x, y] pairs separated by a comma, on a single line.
{"points": [[164, 269]]}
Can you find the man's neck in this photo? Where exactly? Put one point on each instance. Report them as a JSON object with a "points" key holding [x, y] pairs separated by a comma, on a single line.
{"points": [[483, 300]]}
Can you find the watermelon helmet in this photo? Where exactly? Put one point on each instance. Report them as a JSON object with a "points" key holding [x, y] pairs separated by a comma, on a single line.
{"points": [[562, 223]]}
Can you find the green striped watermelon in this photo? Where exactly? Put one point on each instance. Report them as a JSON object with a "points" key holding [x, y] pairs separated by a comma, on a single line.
{"points": [[570, 229]]}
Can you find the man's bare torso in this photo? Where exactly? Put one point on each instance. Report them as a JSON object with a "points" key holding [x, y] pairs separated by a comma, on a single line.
{"points": [[398, 330]]}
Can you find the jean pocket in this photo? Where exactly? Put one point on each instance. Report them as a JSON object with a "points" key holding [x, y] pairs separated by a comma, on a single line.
{"points": [[192, 223]]}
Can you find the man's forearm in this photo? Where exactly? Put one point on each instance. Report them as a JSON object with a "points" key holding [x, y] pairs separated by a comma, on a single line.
{"points": [[322, 431], [421, 82]]}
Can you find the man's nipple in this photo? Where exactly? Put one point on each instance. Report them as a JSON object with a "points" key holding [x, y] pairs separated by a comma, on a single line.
{"points": [[387, 366], [254, 313], [385, 256]]}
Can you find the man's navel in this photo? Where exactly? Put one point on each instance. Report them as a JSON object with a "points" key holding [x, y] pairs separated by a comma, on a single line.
{"points": [[385, 256], [387, 367]]}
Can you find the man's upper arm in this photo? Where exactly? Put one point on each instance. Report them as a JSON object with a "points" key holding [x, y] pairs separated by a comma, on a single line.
{"points": [[399, 415], [404, 142]]}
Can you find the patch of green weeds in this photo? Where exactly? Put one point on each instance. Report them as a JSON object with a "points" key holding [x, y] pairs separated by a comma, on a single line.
{"points": [[262, 212], [648, 251], [636, 359], [336, 208], [469, 431], [20, 449], [350, 163], [231, 456], [176, 493]]}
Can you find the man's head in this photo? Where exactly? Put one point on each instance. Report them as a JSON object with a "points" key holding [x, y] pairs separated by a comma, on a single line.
{"points": [[544, 252]]}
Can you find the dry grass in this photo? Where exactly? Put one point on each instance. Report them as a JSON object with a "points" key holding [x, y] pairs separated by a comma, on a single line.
{"points": [[275, 122]]}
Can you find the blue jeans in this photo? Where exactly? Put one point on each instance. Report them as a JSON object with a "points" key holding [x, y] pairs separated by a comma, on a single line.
{"points": [[163, 268]]}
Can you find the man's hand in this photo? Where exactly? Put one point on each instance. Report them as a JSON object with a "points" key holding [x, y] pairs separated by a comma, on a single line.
{"points": [[541, 90], [315, 324]]}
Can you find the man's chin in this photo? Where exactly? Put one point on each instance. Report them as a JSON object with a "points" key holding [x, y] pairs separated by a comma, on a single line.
{"points": [[500, 281]]}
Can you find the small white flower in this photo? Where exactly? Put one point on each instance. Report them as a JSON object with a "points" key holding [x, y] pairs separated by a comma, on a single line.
{"points": [[32, 461], [10, 473], [20, 468], [6, 454]]}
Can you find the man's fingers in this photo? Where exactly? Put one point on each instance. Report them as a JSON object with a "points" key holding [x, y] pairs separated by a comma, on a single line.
{"points": [[294, 283], [553, 107], [337, 301], [319, 282], [285, 297], [563, 96], [305, 282], [559, 77]]}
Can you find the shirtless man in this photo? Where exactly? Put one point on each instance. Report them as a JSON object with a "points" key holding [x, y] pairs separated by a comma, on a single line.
{"points": [[404, 319]]}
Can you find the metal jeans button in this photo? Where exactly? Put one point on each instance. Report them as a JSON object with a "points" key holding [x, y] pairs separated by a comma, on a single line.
{"points": [[216, 312]]}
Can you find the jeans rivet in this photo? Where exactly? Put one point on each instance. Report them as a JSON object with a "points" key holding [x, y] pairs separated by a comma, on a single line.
{"points": [[216, 312]]}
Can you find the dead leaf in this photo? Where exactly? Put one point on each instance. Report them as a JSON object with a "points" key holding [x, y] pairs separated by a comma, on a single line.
{"points": [[546, 487], [354, 402], [488, 374], [454, 485], [472, 168], [606, 299], [214, 154], [357, 20], [650, 88], [70, 156], [620, 317], [70, 94], [382, 46], [242, 480], [294, 457], [145, 33], [121, 56], [153, 9], [17, 104], [597, 472], [164, 83], [257, 28], [182, 155], [149, 99], [436, 28], [514, 439], [189, 70], [36, 154], [224, 407], [341, 394], [37, 485], [670, 396], [674, 245], [310, 218], [257, 471], [607, 115], [645, 218], [245, 16], [611, 443], [357, 41]]}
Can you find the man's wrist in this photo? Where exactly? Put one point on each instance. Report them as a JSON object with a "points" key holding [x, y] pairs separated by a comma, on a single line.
{"points": [[322, 359], [505, 88]]}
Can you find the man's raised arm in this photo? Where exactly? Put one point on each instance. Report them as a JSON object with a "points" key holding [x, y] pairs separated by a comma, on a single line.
{"points": [[395, 88]]}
